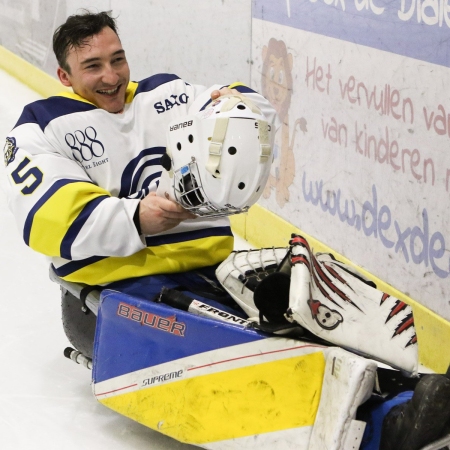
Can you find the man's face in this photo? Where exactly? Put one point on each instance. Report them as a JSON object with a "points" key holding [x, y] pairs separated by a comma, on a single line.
{"points": [[99, 71]]}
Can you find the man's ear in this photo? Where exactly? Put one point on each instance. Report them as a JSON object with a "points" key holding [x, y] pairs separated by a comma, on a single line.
{"points": [[63, 77]]}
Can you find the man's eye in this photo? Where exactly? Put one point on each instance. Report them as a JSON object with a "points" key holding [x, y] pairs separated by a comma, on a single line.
{"points": [[118, 60], [92, 66]]}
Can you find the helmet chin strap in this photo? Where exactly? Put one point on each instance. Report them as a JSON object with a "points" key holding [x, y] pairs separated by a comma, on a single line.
{"points": [[220, 131], [234, 99], [264, 141], [215, 147]]}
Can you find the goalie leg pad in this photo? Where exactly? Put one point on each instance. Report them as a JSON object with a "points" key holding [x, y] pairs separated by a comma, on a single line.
{"points": [[348, 382]]}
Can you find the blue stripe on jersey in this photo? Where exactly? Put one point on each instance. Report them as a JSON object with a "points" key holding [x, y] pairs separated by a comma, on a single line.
{"points": [[128, 179], [137, 175], [149, 179], [77, 224], [241, 89], [43, 112], [187, 236], [245, 90], [29, 220], [73, 266], [155, 81]]}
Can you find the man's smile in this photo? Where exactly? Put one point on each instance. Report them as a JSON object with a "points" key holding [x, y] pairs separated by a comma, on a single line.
{"points": [[109, 91]]}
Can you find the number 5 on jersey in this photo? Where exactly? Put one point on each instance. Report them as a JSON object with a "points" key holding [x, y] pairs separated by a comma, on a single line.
{"points": [[33, 172]]}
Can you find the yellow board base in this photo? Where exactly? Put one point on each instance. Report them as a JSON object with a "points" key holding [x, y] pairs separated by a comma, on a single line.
{"points": [[31, 76]]}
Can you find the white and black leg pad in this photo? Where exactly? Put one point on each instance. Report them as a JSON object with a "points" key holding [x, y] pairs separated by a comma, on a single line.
{"points": [[339, 305], [348, 382]]}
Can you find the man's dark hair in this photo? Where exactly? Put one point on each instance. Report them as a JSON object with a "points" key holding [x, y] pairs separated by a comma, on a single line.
{"points": [[77, 30]]}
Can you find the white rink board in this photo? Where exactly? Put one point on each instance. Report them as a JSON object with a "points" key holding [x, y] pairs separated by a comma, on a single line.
{"points": [[202, 41], [404, 238]]}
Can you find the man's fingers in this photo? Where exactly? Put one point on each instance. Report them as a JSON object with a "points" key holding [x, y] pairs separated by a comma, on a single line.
{"points": [[215, 94], [224, 91], [176, 215], [163, 208], [165, 204], [174, 210]]}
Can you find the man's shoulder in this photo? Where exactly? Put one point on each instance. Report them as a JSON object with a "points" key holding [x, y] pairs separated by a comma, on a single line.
{"points": [[42, 112], [155, 81]]}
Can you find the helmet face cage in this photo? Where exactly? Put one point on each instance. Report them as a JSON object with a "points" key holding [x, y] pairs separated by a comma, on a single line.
{"points": [[190, 194]]}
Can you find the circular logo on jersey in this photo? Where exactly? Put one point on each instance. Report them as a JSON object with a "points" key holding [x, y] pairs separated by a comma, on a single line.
{"points": [[9, 150], [84, 144]]}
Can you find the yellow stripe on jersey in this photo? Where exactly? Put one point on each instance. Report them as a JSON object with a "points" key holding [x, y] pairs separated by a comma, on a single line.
{"points": [[238, 83], [131, 90], [264, 398], [58, 213], [74, 96], [166, 258]]}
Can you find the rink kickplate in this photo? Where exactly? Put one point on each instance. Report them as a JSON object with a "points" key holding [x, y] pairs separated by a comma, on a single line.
{"points": [[205, 382]]}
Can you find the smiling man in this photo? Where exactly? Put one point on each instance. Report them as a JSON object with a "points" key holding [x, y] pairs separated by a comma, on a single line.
{"points": [[95, 67], [84, 167]]}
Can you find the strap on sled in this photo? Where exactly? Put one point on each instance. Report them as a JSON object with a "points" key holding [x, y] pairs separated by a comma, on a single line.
{"points": [[89, 295]]}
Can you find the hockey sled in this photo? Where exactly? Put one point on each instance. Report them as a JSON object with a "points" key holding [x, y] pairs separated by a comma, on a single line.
{"points": [[222, 384]]}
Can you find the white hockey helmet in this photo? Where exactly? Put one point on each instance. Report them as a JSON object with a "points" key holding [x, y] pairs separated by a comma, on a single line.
{"points": [[218, 160]]}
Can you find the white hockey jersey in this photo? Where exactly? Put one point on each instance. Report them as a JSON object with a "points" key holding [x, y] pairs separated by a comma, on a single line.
{"points": [[76, 174]]}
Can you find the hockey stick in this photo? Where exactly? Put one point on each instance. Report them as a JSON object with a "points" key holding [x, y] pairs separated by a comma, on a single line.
{"points": [[178, 300]]}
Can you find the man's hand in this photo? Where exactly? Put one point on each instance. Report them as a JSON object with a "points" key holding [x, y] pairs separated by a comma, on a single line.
{"points": [[224, 91], [158, 214]]}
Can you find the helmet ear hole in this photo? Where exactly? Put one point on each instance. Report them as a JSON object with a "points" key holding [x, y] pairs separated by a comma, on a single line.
{"points": [[241, 106], [178, 146], [166, 162], [232, 150], [191, 138], [241, 186]]}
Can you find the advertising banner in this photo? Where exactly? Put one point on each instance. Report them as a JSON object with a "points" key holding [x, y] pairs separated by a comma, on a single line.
{"points": [[362, 159]]}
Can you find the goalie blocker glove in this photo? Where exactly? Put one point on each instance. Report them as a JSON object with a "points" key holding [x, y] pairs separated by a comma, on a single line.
{"points": [[325, 296]]}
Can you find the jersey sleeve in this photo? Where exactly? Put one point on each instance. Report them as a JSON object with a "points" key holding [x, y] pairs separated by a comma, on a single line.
{"points": [[59, 210]]}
